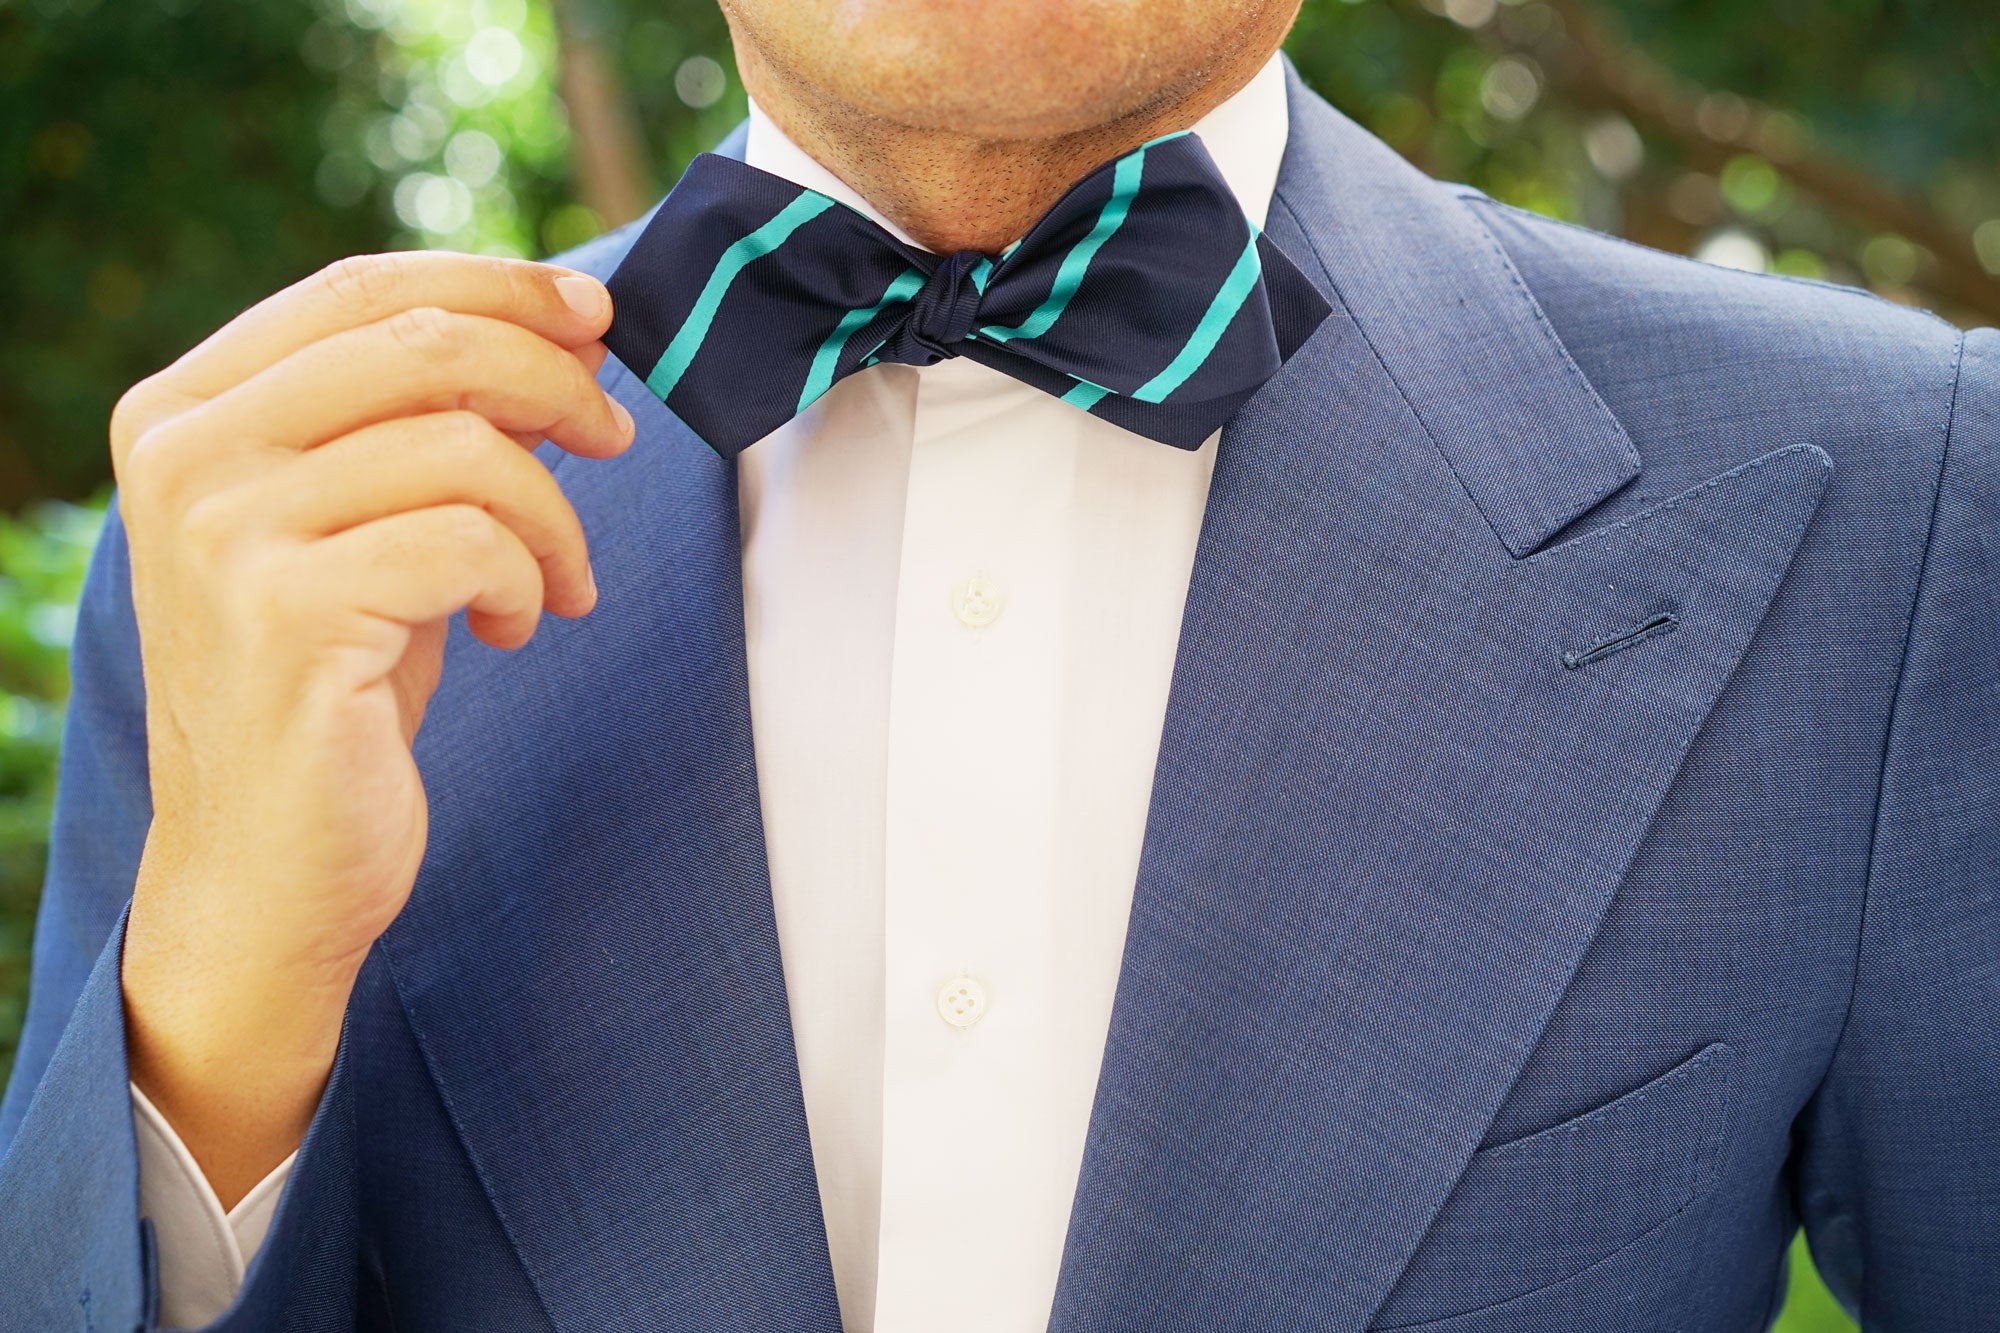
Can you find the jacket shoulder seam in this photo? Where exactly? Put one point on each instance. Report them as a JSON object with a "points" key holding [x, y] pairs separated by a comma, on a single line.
{"points": [[1474, 196]]}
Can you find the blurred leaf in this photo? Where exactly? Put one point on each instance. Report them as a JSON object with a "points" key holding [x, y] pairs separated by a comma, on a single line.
{"points": [[1809, 1306], [43, 556]]}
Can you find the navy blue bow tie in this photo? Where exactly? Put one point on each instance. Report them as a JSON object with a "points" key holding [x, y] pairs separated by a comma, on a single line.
{"points": [[1144, 296]]}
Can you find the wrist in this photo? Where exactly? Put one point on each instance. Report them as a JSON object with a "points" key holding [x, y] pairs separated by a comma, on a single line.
{"points": [[237, 1070], [232, 1044], [184, 1014], [194, 1018]]}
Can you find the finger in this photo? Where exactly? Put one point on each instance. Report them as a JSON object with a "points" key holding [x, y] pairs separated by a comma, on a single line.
{"points": [[424, 564], [592, 356], [419, 463], [423, 360], [568, 308]]}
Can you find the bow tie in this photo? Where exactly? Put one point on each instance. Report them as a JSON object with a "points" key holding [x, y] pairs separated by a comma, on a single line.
{"points": [[1144, 297]]}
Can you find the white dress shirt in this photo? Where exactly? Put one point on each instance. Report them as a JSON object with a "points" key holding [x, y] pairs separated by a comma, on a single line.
{"points": [[961, 603]]}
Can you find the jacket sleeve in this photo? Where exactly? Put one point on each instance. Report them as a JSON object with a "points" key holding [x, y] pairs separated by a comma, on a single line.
{"points": [[74, 1250], [1900, 1178]]}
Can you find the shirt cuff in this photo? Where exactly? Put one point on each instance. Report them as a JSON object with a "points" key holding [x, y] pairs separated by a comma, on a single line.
{"points": [[203, 1251]]}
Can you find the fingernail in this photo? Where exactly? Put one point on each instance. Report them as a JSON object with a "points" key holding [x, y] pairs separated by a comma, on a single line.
{"points": [[621, 416], [590, 572], [583, 295]]}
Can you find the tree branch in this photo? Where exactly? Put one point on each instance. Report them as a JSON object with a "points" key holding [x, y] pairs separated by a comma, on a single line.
{"points": [[1596, 70], [610, 167], [1654, 98]]}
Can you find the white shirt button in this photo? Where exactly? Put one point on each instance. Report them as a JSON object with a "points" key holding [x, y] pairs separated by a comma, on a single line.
{"points": [[978, 601], [961, 1001]]}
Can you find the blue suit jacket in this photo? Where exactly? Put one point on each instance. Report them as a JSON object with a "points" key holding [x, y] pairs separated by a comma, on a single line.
{"points": [[1574, 859]]}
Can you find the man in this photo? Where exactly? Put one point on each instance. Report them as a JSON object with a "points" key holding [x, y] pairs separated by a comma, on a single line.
{"points": [[1493, 839]]}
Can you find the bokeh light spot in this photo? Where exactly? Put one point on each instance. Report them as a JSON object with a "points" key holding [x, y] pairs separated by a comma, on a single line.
{"points": [[1986, 244], [436, 204], [570, 226], [1695, 199], [416, 131], [1722, 115], [473, 157], [53, 624], [1889, 260], [1796, 263], [1614, 147], [1750, 184], [1509, 90], [461, 86], [700, 82], [1470, 13], [371, 13], [493, 56], [1732, 247]]}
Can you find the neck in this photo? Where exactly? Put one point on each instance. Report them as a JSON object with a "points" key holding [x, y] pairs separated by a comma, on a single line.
{"points": [[951, 191]]}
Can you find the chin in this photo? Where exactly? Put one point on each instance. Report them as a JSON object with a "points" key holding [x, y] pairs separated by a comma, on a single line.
{"points": [[997, 69]]}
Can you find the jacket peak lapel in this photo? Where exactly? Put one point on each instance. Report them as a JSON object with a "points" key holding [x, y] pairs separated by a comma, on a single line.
{"points": [[1389, 814], [1451, 322]]}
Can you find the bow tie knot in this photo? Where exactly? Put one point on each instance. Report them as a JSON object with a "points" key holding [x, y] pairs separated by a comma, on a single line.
{"points": [[942, 313], [1144, 297]]}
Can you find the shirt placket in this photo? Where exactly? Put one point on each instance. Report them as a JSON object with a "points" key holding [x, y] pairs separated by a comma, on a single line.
{"points": [[971, 871]]}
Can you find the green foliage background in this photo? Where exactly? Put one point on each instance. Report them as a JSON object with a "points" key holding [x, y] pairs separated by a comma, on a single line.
{"points": [[164, 163]]}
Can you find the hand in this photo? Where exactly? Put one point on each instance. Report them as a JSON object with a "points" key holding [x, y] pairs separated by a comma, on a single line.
{"points": [[308, 496]]}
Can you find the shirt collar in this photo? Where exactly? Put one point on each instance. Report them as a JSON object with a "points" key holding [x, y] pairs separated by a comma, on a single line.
{"points": [[1245, 136]]}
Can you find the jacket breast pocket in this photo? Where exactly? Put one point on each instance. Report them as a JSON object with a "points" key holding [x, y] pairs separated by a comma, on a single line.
{"points": [[1535, 1211]]}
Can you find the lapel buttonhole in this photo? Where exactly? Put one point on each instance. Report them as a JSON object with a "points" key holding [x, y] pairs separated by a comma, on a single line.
{"points": [[1660, 622]]}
